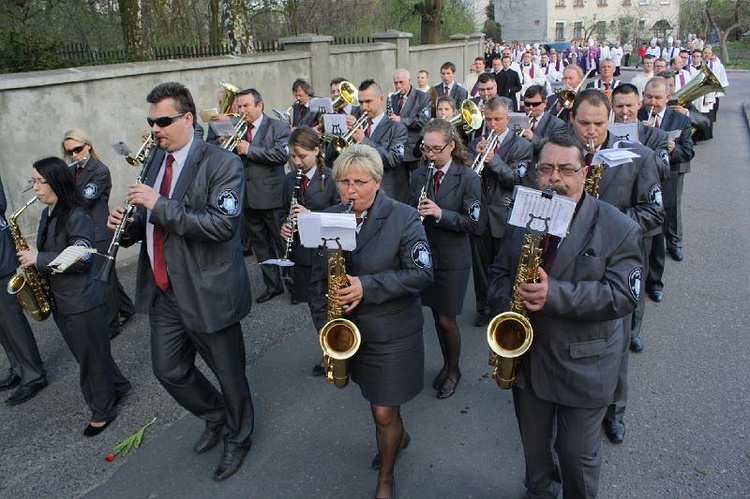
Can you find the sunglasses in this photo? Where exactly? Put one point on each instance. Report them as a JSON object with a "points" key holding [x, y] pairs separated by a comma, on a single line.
{"points": [[75, 150], [532, 104], [164, 121]]}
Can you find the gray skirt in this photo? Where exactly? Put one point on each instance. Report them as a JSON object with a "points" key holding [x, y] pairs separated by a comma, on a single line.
{"points": [[446, 293], [390, 373]]}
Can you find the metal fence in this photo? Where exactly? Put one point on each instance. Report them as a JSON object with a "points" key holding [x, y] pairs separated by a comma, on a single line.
{"points": [[352, 40]]}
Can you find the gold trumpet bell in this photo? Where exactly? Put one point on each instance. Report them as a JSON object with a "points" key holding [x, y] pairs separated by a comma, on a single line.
{"points": [[509, 336]]}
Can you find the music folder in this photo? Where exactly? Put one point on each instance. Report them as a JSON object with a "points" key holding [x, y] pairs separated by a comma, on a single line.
{"points": [[316, 227], [541, 211]]}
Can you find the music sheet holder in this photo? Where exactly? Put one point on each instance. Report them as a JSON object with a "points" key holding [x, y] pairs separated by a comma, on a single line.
{"points": [[316, 227]]}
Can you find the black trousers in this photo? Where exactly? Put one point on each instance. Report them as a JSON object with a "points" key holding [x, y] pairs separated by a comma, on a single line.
{"points": [[101, 380], [262, 230], [637, 316], [561, 446], [173, 349], [484, 248], [671, 236], [616, 410], [17, 338]]}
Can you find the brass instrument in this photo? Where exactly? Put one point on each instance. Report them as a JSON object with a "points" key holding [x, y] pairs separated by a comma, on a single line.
{"points": [[509, 334], [238, 133], [28, 285], [339, 338], [595, 172], [705, 82], [568, 97], [478, 164], [138, 158], [291, 219], [426, 186], [348, 95], [229, 94], [651, 121], [114, 245], [470, 117], [344, 141], [518, 129]]}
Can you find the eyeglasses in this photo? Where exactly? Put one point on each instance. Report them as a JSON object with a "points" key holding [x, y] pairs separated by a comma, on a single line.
{"points": [[564, 170], [532, 104], [435, 149], [164, 121], [356, 183], [75, 150], [37, 181]]}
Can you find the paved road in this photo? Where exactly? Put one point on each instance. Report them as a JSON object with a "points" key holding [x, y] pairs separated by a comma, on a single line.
{"points": [[687, 420]]}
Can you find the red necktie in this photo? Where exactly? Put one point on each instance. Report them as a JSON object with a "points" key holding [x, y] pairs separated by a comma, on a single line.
{"points": [[400, 104], [445, 89], [249, 137], [589, 158], [369, 128], [160, 260], [305, 182], [533, 124], [438, 177], [606, 86]]}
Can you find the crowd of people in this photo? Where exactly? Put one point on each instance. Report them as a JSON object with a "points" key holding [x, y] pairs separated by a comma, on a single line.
{"points": [[429, 173]]}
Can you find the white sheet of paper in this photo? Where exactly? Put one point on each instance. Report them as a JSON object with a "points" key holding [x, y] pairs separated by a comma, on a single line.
{"points": [[614, 157], [519, 119], [321, 105], [222, 128], [68, 257], [528, 203], [314, 227], [282, 115], [335, 124], [625, 131], [674, 134]]}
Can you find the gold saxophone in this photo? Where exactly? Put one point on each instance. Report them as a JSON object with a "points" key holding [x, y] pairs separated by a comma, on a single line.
{"points": [[30, 287], [510, 334], [595, 172], [339, 338]]}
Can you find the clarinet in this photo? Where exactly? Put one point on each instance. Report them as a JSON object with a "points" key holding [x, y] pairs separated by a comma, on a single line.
{"points": [[114, 245], [426, 186], [290, 219]]}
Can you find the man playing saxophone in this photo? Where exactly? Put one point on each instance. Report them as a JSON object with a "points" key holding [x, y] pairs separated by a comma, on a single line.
{"points": [[587, 283]]}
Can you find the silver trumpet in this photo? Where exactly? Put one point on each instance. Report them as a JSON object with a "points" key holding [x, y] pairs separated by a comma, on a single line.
{"points": [[478, 164]]}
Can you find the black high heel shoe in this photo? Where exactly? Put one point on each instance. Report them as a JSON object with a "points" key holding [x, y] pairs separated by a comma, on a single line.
{"points": [[445, 392], [440, 378], [405, 440]]}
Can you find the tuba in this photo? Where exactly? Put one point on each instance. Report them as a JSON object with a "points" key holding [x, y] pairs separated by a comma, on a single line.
{"points": [[30, 287], [339, 338], [595, 173], [509, 334], [470, 117], [705, 82]]}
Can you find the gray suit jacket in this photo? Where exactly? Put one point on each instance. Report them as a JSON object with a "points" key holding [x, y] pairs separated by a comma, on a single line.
{"points": [[389, 138], [507, 169], [202, 241], [95, 184], [264, 164], [634, 187], [414, 116], [593, 282], [8, 259], [548, 125], [457, 93], [656, 139]]}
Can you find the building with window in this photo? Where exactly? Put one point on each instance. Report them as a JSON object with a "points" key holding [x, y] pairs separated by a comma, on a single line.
{"points": [[605, 20]]}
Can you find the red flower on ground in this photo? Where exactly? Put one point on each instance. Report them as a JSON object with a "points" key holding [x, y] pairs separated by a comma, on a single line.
{"points": [[109, 458]]}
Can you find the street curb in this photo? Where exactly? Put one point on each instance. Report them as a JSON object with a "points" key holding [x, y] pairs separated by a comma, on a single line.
{"points": [[746, 111]]}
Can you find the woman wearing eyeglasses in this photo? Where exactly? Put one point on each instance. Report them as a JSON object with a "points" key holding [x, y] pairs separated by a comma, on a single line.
{"points": [[385, 274], [78, 298], [450, 206], [93, 181]]}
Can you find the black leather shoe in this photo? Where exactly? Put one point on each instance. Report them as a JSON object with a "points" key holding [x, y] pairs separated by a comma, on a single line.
{"points": [[92, 431], [26, 392], [268, 295], [481, 320], [208, 440], [446, 391], [636, 345], [615, 431], [11, 381], [375, 464], [231, 460], [318, 370], [676, 254], [656, 295]]}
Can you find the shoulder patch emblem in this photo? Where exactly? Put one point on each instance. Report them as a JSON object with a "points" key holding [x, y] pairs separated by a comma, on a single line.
{"points": [[90, 190], [654, 194], [522, 168], [228, 202], [426, 112], [634, 281], [420, 255], [664, 155], [400, 149], [85, 244], [474, 211]]}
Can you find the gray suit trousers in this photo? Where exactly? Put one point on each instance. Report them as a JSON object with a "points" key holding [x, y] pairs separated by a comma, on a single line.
{"points": [[18, 339]]}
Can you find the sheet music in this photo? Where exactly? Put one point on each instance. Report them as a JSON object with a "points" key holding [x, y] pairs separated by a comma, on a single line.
{"points": [[335, 124], [614, 157], [320, 105], [68, 257], [222, 128], [528, 203], [314, 227], [625, 131], [674, 134]]}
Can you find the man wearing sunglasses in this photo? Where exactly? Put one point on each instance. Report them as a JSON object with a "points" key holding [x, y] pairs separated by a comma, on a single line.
{"points": [[191, 275], [541, 123]]}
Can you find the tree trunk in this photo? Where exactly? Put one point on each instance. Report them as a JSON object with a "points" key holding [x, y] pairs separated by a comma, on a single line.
{"points": [[130, 20], [431, 12], [236, 26], [213, 27], [723, 36]]}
